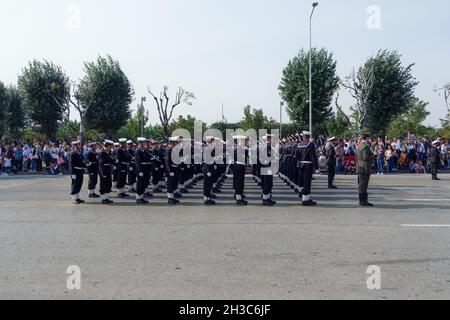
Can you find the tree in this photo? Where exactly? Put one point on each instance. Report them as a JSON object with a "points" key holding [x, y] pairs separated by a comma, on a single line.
{"points": [[74, 101], [411, 120], [187, 123], [165, 109], [338, 125], [391, 92], [360, 85], [294, 87], [105, 95], [15, 119], [255, 119], [445, 92], [39, 83], [2, 107], [132, 129]]}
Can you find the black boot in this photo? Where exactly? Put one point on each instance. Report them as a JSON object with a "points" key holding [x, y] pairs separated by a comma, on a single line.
{"points": [[361, 199], [242, 202], [209, 202], [141, 201], [309, 203], [122, 195], [269, 202], [366, 199], [173, 201]]}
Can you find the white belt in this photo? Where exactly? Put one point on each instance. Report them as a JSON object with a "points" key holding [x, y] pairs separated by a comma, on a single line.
{"points": [[307, 162]]}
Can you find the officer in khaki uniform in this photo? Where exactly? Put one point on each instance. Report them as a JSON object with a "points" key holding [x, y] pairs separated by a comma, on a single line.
{"points": [[364, 169]]}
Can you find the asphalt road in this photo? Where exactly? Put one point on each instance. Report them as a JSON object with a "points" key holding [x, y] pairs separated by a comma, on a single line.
{"points": [[227, 252]]}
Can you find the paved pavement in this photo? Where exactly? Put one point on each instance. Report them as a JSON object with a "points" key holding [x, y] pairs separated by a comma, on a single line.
{"points": [[227, 252]]}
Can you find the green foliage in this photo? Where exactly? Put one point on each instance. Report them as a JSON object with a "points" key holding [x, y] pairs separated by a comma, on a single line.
{"points": [[2, 108], [294, 87], [40, 84], [187, 123], [255, 119], [411, 120], [69, 130], [105, 94], [15, 118], [338, 126], [392, 91], [133, 128]]}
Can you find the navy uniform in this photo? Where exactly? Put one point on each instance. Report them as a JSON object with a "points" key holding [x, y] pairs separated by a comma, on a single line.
{"points": [[331, 156], [92, 169], [105, 166], [157, 169], [434, 159], [132, 167], [123, 162], [241, 159], [115, 169], [307, 163], [267, 179], [208, 170], [184, 170], [76, 168], [143, 167], [172, 172]]}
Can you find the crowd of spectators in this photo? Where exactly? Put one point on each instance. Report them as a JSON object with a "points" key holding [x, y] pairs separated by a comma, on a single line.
{"points": [[409, 154], [41, 157]]}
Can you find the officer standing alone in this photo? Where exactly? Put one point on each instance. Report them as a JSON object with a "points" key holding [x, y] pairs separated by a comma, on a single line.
{"points": [[331, 161], [435, 160], [365, 158]]}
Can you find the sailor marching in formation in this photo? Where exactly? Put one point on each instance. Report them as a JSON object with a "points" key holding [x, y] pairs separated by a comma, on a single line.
{"points": [[147, 167]]}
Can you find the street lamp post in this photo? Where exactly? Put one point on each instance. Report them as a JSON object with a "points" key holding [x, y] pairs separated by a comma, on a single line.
{"points": [[315, 4], [143, 99], [281, 119]]}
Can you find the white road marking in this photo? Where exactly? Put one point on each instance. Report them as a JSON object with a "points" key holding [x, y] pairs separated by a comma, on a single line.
{"points": [[423, 200], [426, 225]]}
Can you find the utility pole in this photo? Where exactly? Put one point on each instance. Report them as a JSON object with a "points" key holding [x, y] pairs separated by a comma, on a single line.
{"points": [[143, 99]]}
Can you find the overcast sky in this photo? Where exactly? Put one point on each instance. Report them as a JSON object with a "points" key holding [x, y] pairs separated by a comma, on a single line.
{"points": [[225, 51]]}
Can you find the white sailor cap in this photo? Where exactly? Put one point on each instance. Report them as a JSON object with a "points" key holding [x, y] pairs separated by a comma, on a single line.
{"points": [[307, 133], [106, 142], [76, 142], [175, 139], [436, 142], [92, 144], [116, 144], [268, 136], [141, 139], [240, 138], [123, 140], [130, 142], [331, 139]]}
